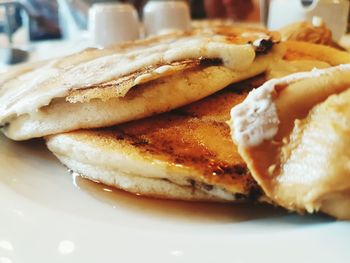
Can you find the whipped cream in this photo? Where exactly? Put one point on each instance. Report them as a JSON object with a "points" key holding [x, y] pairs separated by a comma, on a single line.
{"points": [[256, 118]]}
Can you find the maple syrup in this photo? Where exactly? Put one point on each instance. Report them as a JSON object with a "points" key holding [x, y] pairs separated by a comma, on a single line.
{"points": [[189, 211]]}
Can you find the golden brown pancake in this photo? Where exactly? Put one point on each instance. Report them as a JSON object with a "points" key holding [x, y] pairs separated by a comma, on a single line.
{"points": [[185, 154], [188, 148], [98, 88]]}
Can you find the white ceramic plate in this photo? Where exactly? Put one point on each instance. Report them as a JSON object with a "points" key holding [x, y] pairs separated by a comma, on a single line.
{"points": [[47, 215]]}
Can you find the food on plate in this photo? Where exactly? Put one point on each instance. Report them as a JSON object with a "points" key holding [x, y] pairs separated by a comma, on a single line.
{"points": [[316, 32], [98, 88], [152, 117], [184, 154], [293, 133]]}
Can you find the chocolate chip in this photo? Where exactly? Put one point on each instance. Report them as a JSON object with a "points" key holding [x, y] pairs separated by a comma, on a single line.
{"points": [[240, 196], [207, 187], [211, 61], [4, 125], [139, 143], [255, 193], [263, 45]]}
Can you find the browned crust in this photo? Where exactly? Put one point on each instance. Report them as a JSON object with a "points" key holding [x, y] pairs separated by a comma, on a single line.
{"points": [[119, 87], [195, 137]]}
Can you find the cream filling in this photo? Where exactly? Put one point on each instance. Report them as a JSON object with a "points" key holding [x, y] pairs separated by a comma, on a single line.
{"points": [[256, 118], [35, 89]]}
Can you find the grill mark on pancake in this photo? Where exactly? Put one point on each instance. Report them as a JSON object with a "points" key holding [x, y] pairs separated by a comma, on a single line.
{"points": [[126, 86], [182, 112], [121, 86], [139, 143], [210, 62], [124, 80], [187, 63], [194, 155]]}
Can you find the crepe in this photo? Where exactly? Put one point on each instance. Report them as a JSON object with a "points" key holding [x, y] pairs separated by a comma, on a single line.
{"points": [[293, 134], [185, 154], [98, 88]]}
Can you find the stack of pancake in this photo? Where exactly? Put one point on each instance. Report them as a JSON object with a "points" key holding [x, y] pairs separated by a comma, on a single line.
{"points": [[152, 117]]}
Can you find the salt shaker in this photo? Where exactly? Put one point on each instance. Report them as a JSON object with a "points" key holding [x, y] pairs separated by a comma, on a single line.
{"points": [[111, 23], [166, 15]]}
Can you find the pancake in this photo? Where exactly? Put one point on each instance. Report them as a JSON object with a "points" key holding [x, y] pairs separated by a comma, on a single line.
{"points": [[293, 133], [98, 88], [184, 154]]}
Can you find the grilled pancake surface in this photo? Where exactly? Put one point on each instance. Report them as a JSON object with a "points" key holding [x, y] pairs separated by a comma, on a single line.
{"points": [[194, 138]]}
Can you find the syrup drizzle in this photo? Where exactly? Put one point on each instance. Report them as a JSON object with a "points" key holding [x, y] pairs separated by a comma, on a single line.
{"points": [[182, 210]]}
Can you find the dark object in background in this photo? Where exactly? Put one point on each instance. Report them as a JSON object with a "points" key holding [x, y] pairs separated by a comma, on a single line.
{"points": [[40, 17], [46, 26], [12, 56], [197, 9], [306, 2]]}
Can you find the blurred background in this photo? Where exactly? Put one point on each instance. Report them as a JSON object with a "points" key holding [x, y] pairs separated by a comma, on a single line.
{"points": [[49, 19], [26, 22]]}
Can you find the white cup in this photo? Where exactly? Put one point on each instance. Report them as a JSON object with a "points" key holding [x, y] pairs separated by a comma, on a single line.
{"points": [[165, 16], [111, 23]]}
